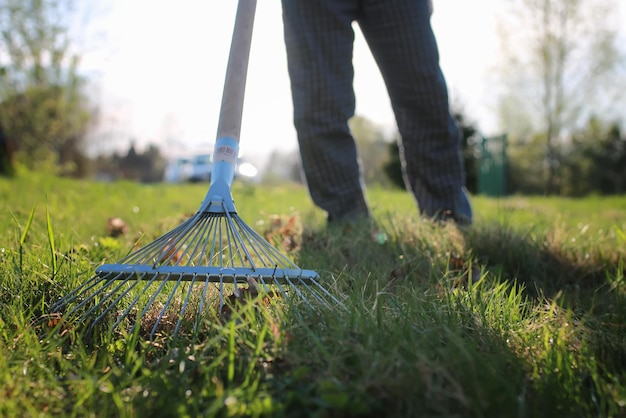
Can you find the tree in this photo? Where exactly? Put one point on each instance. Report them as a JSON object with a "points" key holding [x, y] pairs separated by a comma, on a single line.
{"points": [[560, 60], [43, 107], [147, 166], [6, 154], [372, 146], [393, 167], [526, 165], [469, 133], [283, 165], [596, 160]]}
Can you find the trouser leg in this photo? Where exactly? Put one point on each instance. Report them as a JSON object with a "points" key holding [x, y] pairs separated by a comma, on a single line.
{"points": [[319, 41], [401, 39]]}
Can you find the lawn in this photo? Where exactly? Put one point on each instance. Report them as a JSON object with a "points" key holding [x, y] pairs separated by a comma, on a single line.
{"points": [[522, 315]]}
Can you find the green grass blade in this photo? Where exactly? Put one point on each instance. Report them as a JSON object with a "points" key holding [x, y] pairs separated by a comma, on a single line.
{"points": [[231, 351], [51, 242], [23, 235], [27, 226]]}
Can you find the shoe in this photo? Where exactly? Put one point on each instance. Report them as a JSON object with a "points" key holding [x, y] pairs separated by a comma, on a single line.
{"points": [[447, 216]]}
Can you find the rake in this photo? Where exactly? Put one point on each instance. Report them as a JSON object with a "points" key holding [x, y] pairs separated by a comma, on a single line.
{"points": [[186, 271]]}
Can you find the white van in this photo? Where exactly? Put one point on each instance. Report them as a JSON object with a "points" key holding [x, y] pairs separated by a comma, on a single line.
{"points": [[198, 168], [201, 168], [177, 170]]}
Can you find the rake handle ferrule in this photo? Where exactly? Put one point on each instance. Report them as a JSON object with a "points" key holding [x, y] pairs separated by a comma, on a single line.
{"points": [[219, 197]]}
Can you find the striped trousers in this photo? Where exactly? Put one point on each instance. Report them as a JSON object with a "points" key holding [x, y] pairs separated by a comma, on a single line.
{"points": [[319, 39]]}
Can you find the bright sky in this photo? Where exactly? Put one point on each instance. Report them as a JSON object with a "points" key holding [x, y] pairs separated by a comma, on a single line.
{"points": [[160, 68]]}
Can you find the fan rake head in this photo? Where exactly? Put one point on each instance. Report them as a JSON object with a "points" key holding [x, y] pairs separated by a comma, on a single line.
{"points": [[190, 271], [179, 276]]}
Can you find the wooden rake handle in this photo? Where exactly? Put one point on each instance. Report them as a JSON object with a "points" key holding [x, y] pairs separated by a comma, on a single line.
{"points": [[231, 110], [219, 198]]}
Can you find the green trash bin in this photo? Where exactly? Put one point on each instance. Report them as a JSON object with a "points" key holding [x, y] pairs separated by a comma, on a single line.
{"points": [[492, 166]]}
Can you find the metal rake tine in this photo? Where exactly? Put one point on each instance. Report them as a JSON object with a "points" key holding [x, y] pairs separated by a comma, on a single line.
{"points": [[251, 237], [298, 292], [176, 238], [74, 293], [107, 296], [222, 292], [152, 299], [319, 295], [115, 302], [165, 306], [192, 238], [233, 243], [323, 290], [207, 253], [184, 306], [134, 302], [232, 223], [91, 297], [155, 247], [212, 253], [167, 254], [245, 251], [277, 283], [268, 250], [201, 305], [259, 252], [313, 291], [265, 287], [201, 245], [221, 240]]}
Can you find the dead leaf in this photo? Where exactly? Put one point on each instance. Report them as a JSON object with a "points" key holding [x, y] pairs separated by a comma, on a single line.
{"points": [[287, 231], [241, 296], [116, 227], [465, 273], [170, 254]]}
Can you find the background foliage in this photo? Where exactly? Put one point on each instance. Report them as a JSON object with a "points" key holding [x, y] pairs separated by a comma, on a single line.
{"points": [[44, 109], [557, 104]]}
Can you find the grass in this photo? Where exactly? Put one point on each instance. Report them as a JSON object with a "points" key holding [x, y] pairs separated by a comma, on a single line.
{"points": [[523, 315]]}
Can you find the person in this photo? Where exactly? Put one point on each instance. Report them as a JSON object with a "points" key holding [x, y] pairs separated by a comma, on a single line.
{"points": [[319, 40], [6, 154]]}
